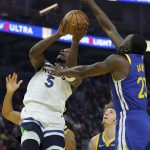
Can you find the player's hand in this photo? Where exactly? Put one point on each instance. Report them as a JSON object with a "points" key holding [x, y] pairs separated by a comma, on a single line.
{"points": [[80, 31], [11, 83], [87, 1], [61, 30], [57, 71]]}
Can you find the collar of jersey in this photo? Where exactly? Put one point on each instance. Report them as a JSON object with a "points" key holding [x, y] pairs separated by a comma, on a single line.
{"points": [[107, 144]]}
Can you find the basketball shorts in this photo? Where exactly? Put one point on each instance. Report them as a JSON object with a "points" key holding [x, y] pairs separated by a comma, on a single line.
{"points": [[133, 130], [49, 128]]}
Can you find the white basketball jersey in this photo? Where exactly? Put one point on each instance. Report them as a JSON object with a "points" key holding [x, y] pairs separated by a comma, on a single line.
{"points": [[50, 91]]}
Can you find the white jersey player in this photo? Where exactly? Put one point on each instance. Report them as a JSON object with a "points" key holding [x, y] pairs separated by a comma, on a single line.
{"points": [[42, 117]]}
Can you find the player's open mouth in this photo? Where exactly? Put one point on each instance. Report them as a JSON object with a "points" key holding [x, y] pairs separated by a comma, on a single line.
{"points": [[61, 54], [105, 118]]}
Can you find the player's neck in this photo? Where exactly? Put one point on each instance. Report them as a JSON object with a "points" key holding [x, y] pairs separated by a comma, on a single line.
{"points": [[109, 132]]}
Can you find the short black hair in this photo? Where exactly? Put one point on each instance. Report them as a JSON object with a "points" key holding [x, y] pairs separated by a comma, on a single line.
{"points": [[138, 44]]}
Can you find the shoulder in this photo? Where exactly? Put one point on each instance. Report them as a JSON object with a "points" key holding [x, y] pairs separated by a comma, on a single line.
{"points": [[94, 142], [116, 61], [69, 133], [70, 142], [115, 58]]}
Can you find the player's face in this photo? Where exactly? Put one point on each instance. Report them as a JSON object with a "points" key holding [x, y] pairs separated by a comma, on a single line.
{"points": [[63, 55], [125, 46], [109, 117]]}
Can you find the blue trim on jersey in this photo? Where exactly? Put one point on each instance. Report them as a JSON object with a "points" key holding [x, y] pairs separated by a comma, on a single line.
{"points": [[51, 131], [32, 126], [31, 119], [53, 140]]}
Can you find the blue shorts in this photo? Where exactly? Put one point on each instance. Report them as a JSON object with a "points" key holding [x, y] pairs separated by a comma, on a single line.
{"points": [[133, 130]]}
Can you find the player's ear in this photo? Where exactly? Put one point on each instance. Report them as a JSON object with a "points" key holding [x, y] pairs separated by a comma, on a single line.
{"points": [[115, 121]]}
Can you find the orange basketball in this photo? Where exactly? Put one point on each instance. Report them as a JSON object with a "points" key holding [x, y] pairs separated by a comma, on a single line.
{"points": [[75, 19]]}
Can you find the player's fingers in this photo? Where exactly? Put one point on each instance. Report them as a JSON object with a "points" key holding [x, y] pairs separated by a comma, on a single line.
{"points": [[20, 82], [14, 76], [9, 77], [6, 79]]}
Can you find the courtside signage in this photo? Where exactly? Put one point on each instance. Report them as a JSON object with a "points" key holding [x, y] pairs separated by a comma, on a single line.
{"points": [[19, 28], [43, 32], [133, 1]]}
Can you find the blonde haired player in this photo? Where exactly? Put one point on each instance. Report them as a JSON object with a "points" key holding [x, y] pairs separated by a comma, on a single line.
{"points": [[106, 139], [14, 116]]}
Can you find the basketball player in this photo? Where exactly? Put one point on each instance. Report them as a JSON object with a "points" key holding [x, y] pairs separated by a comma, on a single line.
{"points": [[14, 116], [42, 117], [128, 83], [106, 140]]}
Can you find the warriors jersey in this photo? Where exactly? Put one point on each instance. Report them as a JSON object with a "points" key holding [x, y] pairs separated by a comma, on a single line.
{"points": [[101, 143], [130, 101], [131, 92]]}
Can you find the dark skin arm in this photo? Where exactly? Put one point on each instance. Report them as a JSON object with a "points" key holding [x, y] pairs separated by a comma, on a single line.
{"points": [[73, 54], [36, 52], [105, 23], [112, 64]]}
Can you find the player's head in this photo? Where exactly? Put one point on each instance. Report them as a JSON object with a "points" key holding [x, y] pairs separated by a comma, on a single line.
{"points": [[109, 117], [133, 44], [63, 56]]}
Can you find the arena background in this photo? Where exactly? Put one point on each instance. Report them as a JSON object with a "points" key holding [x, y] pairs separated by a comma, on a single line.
{"points": [[85, 106]]}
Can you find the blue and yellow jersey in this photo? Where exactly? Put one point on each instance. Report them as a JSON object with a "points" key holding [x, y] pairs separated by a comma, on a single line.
{"points": [[131, 92], [65, 129], [101, 143]]}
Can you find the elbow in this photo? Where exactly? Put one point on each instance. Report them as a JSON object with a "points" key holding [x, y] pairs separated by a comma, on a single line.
{"points": [[31, 53], [5, 114]]}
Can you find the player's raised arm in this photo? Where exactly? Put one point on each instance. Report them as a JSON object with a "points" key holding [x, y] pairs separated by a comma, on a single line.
{"points": [[36, 52], [7, 110], [105, 23], [73, 54], [109, 65]]}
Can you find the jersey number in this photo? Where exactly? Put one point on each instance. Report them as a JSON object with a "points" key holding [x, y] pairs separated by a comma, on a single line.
{"points": [[143, 91], [50, 81]]}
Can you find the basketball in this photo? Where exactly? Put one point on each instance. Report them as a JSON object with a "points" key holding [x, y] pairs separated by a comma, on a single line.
{"points": [[75, 19]]}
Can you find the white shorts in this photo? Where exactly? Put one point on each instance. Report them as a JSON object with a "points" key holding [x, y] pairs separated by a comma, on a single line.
{"points": [[47, 124]]}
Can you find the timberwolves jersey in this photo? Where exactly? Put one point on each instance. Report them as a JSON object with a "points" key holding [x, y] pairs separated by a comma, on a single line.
{"points": [[47, 90], [131, 92], [101, 144]]}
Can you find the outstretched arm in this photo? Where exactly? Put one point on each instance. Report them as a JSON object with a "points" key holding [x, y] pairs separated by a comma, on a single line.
{"points": [[7, 110], [105, 23], [73, 54], [36, 52], [109, 65]]}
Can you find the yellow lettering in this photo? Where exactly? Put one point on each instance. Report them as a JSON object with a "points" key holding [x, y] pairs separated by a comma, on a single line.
{"points": [[140, 67], [143, 90]]}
